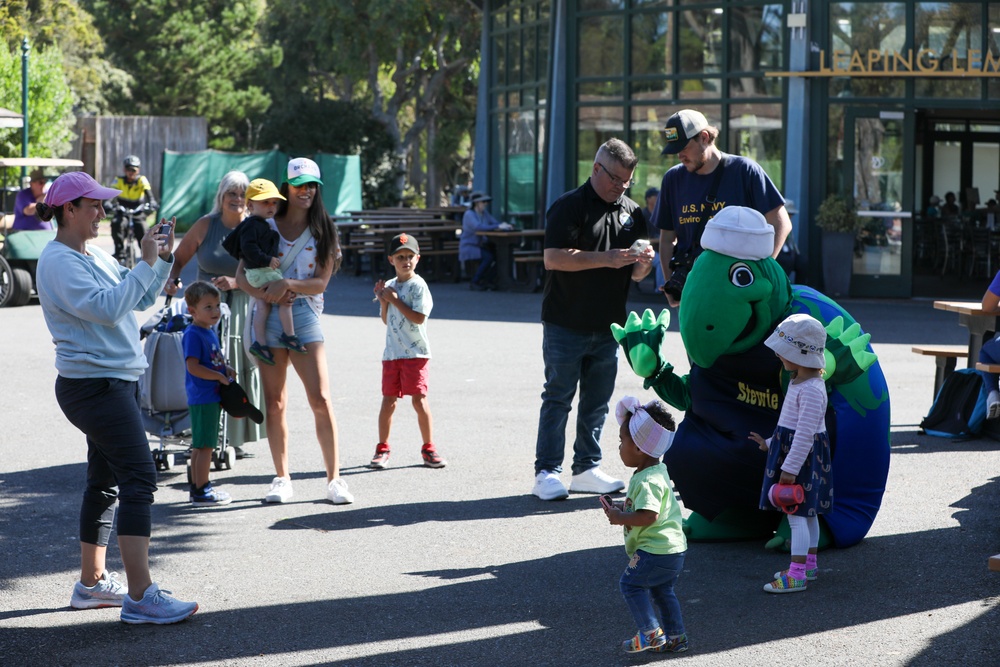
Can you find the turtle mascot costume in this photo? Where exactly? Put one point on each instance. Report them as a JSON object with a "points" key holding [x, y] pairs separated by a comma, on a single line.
{"points": [[734, 297]]}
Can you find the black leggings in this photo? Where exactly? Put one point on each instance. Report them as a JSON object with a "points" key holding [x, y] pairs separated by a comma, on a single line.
{"points": [[120, 469]]}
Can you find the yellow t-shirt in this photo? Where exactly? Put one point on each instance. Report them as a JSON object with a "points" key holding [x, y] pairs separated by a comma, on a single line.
{"points": [[133, 193]]}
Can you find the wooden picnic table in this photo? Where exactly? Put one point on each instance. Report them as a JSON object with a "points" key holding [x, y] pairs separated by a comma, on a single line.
{"points": [[506, 242], [982, 324]]}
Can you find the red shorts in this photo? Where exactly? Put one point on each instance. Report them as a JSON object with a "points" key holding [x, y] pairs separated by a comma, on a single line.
{"points": [[405, 377]]}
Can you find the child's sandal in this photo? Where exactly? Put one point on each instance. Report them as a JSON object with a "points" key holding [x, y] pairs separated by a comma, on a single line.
{"points": [[292, 343], [262, 353]]}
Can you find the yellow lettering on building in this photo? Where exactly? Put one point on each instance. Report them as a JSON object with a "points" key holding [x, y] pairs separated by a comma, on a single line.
{"points": [[921, 63], [928, 54]]}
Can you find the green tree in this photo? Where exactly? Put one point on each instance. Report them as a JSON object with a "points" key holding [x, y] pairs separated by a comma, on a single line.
{"points": [[49, 23], [50, 103], [397, 58], [191, 58]]}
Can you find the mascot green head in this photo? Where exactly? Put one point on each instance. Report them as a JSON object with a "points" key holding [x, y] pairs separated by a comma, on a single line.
{"points": [[736, 292]]}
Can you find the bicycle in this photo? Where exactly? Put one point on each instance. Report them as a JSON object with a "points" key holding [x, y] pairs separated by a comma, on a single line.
{"points": [[130, 243]]}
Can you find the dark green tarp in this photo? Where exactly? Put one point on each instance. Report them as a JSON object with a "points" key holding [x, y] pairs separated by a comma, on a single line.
{"points": [[190, 180]]}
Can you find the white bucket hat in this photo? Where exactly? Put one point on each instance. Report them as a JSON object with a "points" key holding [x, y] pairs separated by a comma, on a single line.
{"points": [[740, 232], [801, 339], [650, 437]]}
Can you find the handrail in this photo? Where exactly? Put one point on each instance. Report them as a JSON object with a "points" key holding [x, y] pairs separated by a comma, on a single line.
{"points": [[885, 214]]}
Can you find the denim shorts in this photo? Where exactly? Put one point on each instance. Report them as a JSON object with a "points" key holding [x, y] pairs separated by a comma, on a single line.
{"points": [[306, 324]]}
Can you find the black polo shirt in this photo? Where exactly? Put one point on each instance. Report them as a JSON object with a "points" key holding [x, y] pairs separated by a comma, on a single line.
{"points": [[589, 300]]}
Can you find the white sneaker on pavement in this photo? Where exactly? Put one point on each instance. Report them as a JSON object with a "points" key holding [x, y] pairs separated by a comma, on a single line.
{"points": [[548, 487], [993, 405], [281, 490], [337, 493], [595, 481]]}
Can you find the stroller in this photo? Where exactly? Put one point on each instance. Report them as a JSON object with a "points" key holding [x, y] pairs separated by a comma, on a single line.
{"points": [[162, 397]]}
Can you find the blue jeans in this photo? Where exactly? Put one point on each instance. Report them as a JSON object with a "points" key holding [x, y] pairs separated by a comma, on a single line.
{"points": [[648, 579], [487, 260], [572, 357], [989, 353], [120, 467]]}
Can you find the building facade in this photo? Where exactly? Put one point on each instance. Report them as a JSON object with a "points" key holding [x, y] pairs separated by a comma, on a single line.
{"points": [[889, 102]]}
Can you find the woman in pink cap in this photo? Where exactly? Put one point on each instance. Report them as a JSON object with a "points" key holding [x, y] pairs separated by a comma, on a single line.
{"points": [[87, 299]]}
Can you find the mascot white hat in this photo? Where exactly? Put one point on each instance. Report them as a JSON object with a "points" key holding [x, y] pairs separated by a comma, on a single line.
{"points": [[740, 232]]}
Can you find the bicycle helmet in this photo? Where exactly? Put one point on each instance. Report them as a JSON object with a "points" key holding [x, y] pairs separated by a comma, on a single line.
{"points": [[132, 161]]}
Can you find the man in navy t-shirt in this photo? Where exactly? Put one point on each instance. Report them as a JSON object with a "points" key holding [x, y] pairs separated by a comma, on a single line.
{"points": [[694, 190]]}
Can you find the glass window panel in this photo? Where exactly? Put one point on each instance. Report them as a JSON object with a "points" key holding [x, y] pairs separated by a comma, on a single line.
{"points": [[522, 140], [878, 183], [602, 46], [755, 86], [647, 142], [700, 41], [835, 151], [755, 38], [515, 60], [652, 44], [697, 89], [500, 59], [947, 29], [601, 5], [981, 127], [595, 125], [651, 89], [947, 154], [756, 131], [857, 29], [985, 169], [949, 127], [594, 91], [530, 49]]}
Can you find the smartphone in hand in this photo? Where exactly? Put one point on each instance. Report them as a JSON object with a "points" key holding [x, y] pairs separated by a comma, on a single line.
{"points": [[606, 502], [638, 247]]}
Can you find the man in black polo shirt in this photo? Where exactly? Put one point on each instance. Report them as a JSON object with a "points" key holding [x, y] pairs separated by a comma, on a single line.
{"points": [[589, 261]]}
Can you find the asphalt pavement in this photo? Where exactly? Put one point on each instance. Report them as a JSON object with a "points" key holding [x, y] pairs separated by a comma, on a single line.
{"points": [[462, 566]]}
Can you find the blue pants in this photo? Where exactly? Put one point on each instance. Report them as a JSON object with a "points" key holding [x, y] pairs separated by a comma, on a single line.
{"points": [[990, 354], [487, 263], [648, 579], [572, 357], [120, 469]]}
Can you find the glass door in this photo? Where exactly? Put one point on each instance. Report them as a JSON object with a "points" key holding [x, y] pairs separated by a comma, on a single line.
{"points": [[878, 160]]}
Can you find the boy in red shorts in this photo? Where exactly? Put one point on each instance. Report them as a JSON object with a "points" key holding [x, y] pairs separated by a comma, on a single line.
{"points": [[405, 304]]}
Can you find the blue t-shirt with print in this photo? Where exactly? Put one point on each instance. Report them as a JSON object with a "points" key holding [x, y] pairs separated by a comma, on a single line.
{"points": [[683, 208], [203, 345]]}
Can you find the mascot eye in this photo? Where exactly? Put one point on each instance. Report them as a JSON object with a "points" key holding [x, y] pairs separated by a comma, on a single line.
{"points": [[741, 275]]}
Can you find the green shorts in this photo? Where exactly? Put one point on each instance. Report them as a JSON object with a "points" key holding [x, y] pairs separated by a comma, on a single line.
{"points": [[205, 425], [262, 276]]}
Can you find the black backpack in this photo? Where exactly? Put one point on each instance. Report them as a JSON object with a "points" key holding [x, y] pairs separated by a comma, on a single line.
{"points": [[960, 407]]}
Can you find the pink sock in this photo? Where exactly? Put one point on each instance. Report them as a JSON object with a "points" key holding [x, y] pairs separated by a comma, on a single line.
{"points": [[797, 570], [811, 561]]}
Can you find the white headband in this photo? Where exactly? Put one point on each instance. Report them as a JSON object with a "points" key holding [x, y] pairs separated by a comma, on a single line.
{"points": [[650, 437]]}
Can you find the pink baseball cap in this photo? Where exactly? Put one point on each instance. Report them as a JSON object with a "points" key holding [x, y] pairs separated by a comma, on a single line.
{"points": [[74, 184]]}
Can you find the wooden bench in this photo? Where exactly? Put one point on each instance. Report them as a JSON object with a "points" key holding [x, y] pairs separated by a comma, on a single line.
{"points": [[945, 359], [995, 563], [534, 268]]}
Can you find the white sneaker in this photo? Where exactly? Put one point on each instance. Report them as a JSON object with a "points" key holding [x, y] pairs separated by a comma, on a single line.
{"points": [[281, 490], [337, 492], [548, 487], [595, 481], [993, 405]]}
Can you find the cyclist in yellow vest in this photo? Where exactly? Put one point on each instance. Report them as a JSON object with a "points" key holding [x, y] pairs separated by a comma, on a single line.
{"points": [[136, 191]]}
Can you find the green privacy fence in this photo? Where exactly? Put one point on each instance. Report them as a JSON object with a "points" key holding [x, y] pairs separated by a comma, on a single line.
{"points": [[190, 180]]}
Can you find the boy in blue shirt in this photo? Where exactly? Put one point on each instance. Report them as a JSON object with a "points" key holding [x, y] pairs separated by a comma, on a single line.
{"points": [[206, 370]]}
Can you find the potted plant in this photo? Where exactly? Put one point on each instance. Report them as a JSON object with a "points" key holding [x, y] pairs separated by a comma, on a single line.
{"points": [[838, 218]]}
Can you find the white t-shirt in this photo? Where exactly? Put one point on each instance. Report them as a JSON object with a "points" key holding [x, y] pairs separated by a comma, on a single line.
{"points": [[405, 339]]}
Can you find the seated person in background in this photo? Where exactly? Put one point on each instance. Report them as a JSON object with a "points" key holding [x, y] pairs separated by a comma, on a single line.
{"points": [[256, 244], [949, 209], [932, 207], [471, 246], [24, 203], [990, 352]]}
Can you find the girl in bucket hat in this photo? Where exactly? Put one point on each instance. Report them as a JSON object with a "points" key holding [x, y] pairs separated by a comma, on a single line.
{"points": [[654, 539], [798, 453]]}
